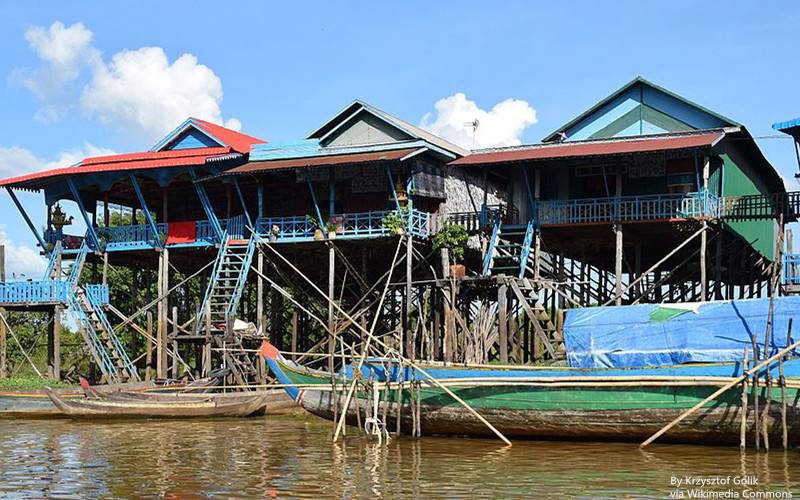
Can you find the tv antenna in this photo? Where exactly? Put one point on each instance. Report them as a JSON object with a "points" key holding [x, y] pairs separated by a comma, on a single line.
{"points": [[474, 124]]}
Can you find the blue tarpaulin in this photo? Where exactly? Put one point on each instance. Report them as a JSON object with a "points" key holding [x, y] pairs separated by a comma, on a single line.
{"points": [[669, 334]]}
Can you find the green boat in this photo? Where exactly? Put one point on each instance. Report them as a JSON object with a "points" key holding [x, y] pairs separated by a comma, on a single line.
{"points": [[549, 403]]}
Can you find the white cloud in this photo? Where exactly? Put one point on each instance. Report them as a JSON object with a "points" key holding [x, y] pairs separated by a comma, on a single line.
{"points": [[139, 91], [22, 262], [502, 125], [16, 161], [64, 52]]}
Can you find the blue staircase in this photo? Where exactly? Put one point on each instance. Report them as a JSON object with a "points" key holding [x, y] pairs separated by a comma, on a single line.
{"points": [[226, 285], [98, 334], [509, 249]]}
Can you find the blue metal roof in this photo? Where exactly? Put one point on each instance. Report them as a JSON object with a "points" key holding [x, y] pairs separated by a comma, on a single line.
{"points": [[311, 147], [783, 126]]}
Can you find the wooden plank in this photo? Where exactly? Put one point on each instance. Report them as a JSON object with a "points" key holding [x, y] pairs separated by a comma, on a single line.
{"points": [[537, 327]]}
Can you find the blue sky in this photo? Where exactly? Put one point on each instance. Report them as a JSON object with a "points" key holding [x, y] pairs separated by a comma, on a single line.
{"points": [[283, 68]]}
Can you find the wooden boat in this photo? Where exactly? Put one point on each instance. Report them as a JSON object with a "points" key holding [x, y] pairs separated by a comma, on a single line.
{"points": [[548, 403], [123, 407]]}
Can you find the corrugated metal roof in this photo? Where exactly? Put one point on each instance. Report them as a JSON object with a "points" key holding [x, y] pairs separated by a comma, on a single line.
{"points": [[783, 126], [236, 140], [133, 161], [594, 148], [318, 161]]}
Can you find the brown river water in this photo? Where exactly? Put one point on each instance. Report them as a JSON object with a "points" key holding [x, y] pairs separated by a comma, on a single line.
{"points": [[292, 457]]}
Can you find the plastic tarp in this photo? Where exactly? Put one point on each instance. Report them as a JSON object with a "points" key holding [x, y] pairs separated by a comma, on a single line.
{"points": [[670, 334]]}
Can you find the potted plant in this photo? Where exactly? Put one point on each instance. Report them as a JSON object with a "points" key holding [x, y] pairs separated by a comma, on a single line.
{"points": [[454, 238], [394, 223], [314, 222], [331, 228]]}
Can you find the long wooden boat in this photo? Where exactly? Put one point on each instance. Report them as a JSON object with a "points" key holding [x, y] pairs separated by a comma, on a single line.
{"points": [[121, 407], [548, 403]]}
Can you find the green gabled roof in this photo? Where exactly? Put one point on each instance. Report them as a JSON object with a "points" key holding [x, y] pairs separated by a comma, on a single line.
{"points": [[636, 81]]}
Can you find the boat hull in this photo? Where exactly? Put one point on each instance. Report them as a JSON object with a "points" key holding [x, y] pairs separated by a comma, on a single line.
{"points": [[618, 408]]}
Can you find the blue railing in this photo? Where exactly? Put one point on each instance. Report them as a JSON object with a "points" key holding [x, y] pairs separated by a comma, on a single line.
{"points": [[628, 208], [34, 292], [791, 269], [97, 294], [346, 226], [97, 299]]}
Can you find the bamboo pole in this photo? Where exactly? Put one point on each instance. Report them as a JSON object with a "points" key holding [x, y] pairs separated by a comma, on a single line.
{"points": [[414, 365], [22, 349], [657, 264], [743, 425], [368, 342], [719, 391]]}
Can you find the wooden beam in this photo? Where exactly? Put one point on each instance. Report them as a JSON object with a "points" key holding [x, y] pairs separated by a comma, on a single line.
{"points": [[618, 264], [537, 327], [502, 321], [703, 261]]}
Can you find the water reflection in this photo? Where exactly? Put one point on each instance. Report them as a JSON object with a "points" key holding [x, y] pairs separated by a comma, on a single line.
{"points": [[292, 456]]}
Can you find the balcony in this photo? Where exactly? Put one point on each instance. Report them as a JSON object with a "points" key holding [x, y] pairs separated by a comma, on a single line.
{"points": [[17, 293], [345, 226]]}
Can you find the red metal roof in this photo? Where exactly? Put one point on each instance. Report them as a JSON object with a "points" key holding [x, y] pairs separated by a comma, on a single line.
{"points": [[238, 141], [315, 161], [133, 161], [593, 148]]}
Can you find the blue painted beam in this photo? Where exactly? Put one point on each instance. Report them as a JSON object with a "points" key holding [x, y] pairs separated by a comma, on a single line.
{"points": [[146, 210], [27, 219], [241, 200], [531, 196], [316, 205], [206, 204], [331, 192], [391, 187], [260, 199], [90, 228]]}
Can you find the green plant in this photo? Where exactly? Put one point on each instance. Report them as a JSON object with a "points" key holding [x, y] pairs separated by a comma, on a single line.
{"points": [[394, 222], [162, 237], [453, 237], [331, 227], [313, 221]]}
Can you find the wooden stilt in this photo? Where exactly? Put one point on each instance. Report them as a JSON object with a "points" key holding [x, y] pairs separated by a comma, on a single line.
{"points": [[260, 294], [703, 262], [502, 320], [161, 338], [332, 323], [294, 335], [618, 264], [3, 332], [409, 338], [148, 374], [743, 422], [175, 334], [54, 345]]}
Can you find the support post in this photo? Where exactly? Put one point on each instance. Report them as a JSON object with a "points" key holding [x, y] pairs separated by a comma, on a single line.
{"points": [[294, 335], [147, 215], [241, 200], [316, 205], [502, 321], [90, 228], [703, 260], [408, 295], [260, 294], [163, 311], [618, 264], [148, 358], [3, 332], [54, 345], [175, 342]]}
